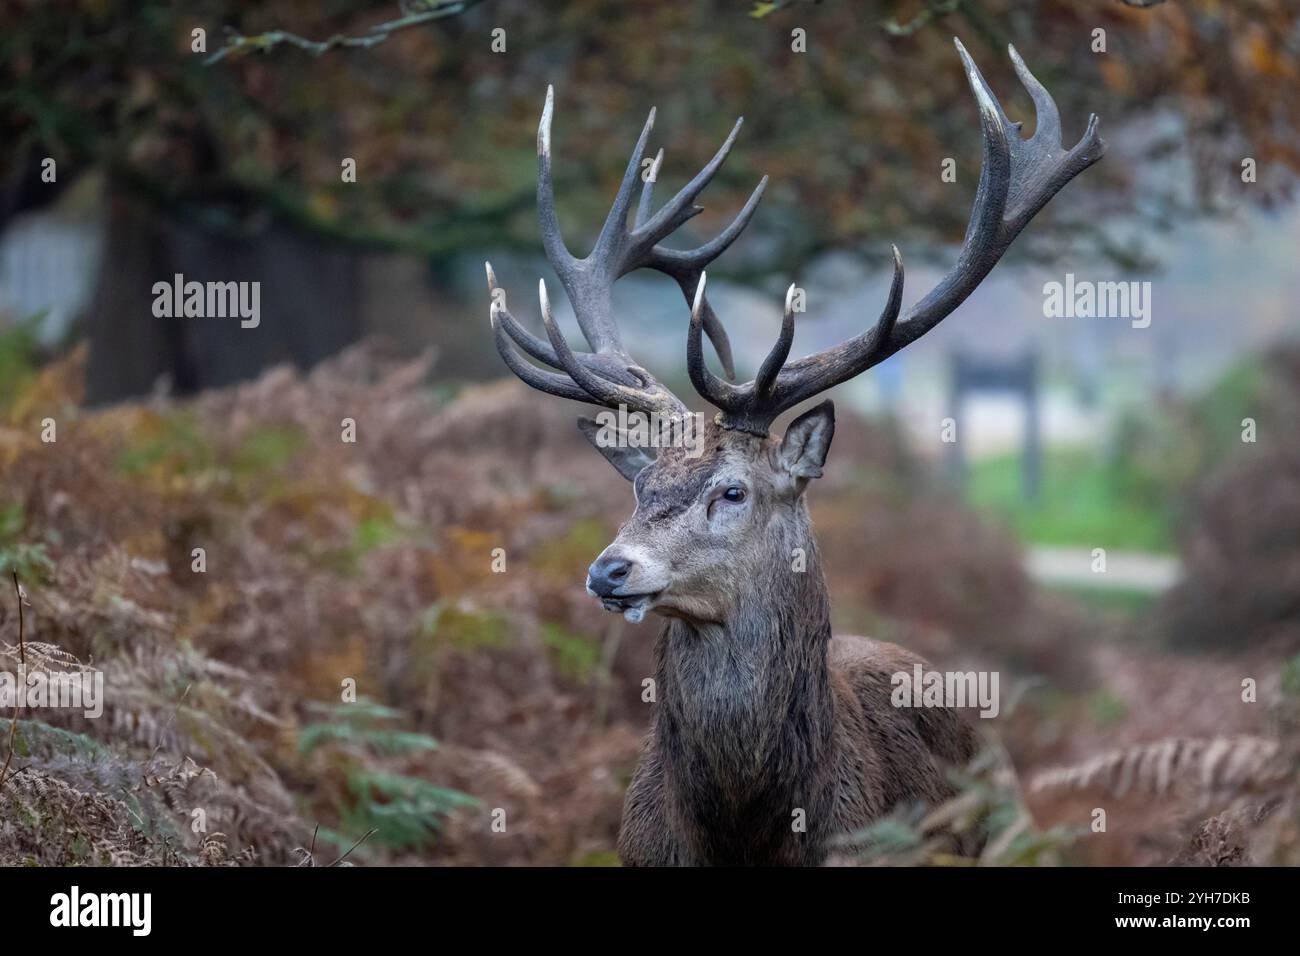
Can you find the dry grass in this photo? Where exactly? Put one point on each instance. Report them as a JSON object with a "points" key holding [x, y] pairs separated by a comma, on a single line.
{"points": [[477, 691]]}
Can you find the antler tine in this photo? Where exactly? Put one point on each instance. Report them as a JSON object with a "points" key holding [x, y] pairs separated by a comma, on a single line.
{"points": [[663, 258], [608, 374], [772, 365], [538, 348], [995, 170], [1025, 174], [753, 407], [680, 208], [550, 382], [526, 340], [603, 390], [1048, 117], [530, 343], [618, 251], [648, 191], [552, 239], [711, 388], [649, 397], [640, 248], [686, 266], [806, 377], [1017, 178], [613, 235]]}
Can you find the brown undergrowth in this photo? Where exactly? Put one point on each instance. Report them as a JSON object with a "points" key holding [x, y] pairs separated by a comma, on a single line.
{"points": [[388, 641]]}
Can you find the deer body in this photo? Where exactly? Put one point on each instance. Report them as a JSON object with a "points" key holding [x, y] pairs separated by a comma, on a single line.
{"points": [[771, 738], [771, 716]]}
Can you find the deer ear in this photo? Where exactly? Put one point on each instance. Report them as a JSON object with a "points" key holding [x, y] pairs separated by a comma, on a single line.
{"points": [[611, 442], [807, 442]]}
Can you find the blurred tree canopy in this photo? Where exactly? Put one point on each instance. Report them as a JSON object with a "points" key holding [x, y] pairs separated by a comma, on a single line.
{"points": [[442, 127]]}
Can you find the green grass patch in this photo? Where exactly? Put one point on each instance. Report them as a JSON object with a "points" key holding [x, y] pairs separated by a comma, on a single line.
{"points": [[598, 858], [465, 630], [370, 533], [266, 450], [18, 351], [1082, 502], [181, 447], [562, 557], [1106, 709], [1119, 600], [576, 656], [35, 737], [178, 448], [375, 532], [1291, 677], [28, 559]]}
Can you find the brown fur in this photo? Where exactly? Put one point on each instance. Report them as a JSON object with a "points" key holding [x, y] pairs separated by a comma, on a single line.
{"points": [[762, 713]]}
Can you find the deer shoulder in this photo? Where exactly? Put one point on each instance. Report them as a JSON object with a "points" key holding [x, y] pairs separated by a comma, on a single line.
{"points": [[867, 668]]}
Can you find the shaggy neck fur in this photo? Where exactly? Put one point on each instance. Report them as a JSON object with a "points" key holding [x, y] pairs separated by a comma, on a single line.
{"points": [[746, 726]]}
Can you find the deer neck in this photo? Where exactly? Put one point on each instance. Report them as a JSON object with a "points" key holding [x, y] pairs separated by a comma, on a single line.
{"points": [[746, 729]]}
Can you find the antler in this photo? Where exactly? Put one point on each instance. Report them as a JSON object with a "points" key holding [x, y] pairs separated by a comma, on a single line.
{"points": [[608, 375], [1017, 178]]}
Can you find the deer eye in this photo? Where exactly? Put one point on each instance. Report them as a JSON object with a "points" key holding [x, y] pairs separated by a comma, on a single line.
{"points": [[731, 495]]}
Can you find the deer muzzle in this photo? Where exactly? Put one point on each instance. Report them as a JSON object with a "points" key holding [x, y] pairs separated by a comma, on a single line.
{"points": [[617, 580]]}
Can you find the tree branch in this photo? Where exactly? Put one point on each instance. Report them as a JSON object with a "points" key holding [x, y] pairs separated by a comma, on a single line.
{"points": [[932, 10], [238, 44]]}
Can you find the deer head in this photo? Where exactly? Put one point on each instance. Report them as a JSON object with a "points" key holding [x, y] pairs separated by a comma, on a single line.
{"points": [[714, 523]]}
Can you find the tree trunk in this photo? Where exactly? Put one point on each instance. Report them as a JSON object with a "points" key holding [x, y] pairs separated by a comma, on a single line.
{"points": [[309, 305]]}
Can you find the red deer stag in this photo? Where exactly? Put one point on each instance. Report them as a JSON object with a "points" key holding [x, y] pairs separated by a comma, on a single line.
{"points": [[764, 719]]}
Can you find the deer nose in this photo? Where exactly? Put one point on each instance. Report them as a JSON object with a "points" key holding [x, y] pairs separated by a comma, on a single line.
{"points": [[607, 574]]}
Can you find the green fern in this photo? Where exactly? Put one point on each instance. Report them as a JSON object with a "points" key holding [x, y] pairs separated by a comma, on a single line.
{"points": [[405, 812], [28, 559]]}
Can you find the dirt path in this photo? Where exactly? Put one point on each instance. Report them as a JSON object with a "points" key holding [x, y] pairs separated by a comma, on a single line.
{"points": [[1124, 570]]}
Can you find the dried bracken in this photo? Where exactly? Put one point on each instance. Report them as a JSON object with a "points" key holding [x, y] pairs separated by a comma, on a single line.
{"points": [[327, 561], [1215, 766]]}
